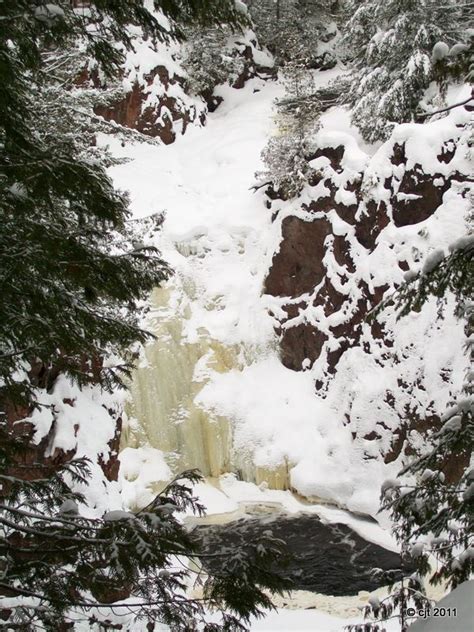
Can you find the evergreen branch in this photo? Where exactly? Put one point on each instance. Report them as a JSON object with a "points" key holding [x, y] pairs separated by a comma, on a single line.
{"points": [[451, 107], [15, 353]]}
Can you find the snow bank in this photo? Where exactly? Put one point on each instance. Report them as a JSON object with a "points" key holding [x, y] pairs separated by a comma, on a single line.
{"points": [[455, 611], [143, 474]]}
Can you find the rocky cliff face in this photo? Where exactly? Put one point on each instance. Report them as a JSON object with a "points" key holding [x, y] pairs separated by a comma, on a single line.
{"points": [[68, 422], [361, 225], [156, 99], [157, 115]]}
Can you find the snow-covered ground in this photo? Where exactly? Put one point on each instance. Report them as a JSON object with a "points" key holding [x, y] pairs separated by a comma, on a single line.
{"points": [[305, 620], [453, 612]]}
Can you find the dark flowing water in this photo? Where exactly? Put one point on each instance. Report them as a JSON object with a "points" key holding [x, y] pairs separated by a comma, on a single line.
{"points": [[331, 559]]}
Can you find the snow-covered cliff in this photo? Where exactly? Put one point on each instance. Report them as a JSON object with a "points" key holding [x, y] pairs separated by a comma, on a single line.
{"points": [[329, 405], [265, 364]]}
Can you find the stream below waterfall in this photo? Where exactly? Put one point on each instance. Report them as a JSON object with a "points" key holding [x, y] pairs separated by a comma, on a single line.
{"points": [[329, 559]]}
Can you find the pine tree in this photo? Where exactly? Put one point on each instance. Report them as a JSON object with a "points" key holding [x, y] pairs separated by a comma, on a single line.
{"points": [[292, 29], [59, 568], [73, 272], [398, 47], [210, 59], [286, 155], [434, 516]]}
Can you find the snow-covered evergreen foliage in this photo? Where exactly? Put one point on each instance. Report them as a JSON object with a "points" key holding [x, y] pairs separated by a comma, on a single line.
{"points": [[293, 29], [69, 264], [435, 511], [406, 597], [286, 154], [61, 568], [211, 59], [398, 47]]}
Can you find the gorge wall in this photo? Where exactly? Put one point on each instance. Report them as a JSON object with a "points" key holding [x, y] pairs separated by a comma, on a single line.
{"points": [[155, 97], [362, 227]]}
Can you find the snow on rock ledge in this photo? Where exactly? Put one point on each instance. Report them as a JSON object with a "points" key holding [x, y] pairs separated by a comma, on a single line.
{"points": [[346, 244], [157, 100], [71, 422]]}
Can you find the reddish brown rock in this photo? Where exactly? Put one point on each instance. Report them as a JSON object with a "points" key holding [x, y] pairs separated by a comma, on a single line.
{"points": [[426, 425], [298, 270], [372, 222], [31, 461], [300, 343], [111, 466], [298, 267], [342, 253], [428, 196], [334, 155], [156, 120], [252, 69]]}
